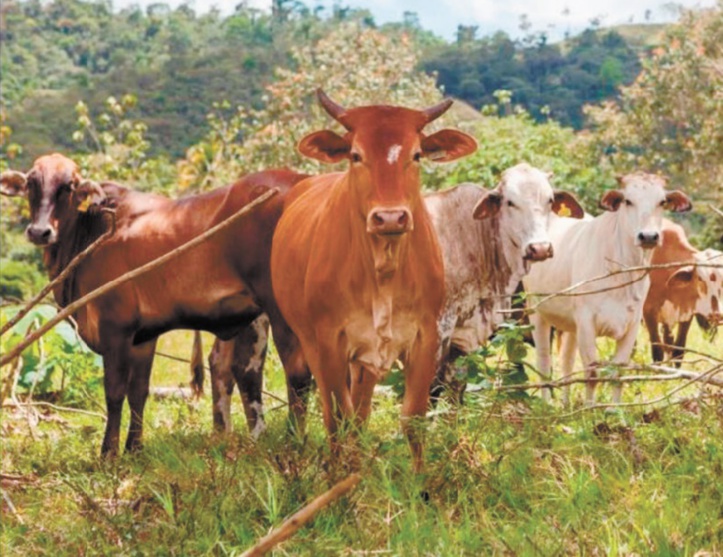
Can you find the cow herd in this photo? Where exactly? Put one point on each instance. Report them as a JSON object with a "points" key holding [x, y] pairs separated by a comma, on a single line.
{"points": [[353, 271]]}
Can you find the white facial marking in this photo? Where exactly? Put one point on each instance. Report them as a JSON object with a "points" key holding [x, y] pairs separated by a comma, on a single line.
{"points": [[393, 154]]}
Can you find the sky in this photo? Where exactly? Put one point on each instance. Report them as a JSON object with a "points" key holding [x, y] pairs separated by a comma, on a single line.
{"points": [[555, 17]]}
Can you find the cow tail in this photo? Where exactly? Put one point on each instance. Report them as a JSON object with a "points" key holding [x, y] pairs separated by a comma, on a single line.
{"points": [[197, 365]]}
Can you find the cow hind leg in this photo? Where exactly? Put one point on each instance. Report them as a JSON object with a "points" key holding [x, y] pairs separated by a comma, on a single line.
{"points": [[140, 375], [299, 382], [220, 362], [250, 355]]}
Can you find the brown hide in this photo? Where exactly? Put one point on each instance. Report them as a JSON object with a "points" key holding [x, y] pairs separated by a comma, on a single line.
{"points": [[356, 266], [675, 248], [221, 286]]}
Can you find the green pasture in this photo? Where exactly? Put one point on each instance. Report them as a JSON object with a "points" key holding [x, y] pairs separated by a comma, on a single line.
{"points": [[504, 477]]}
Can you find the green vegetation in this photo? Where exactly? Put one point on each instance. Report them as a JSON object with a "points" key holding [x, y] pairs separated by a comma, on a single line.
{"points": [[178, 63], [504, 476]]}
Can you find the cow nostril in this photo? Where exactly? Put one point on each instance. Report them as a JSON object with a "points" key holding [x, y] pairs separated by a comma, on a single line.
{"points": [[378, 219], [45, 234], [402, 219]]}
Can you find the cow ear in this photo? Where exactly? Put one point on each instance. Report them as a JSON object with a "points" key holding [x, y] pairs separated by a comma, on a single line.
{"points": [[12, 183], [682, 277], [677, 202], [566, 205], [488, 206], [611, 200], [325, 146], [88, 194], [448, 145]]}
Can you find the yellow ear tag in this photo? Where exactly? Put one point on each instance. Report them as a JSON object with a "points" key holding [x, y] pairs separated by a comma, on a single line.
{"points": [[84, 205], [564, 211]]}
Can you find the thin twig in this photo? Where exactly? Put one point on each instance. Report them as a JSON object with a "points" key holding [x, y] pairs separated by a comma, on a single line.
{"points": [[716, 210], [12, 508], [16, 404], [623, 379], [292, 524], [77, 260], [178, 359], [75, 306]]}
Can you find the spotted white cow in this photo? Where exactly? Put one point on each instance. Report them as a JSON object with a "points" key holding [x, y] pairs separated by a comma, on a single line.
{"points": [[622, 237], [485, 257]]}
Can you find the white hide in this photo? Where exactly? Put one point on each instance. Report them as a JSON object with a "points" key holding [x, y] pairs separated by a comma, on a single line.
{"points": [[593, 248]]}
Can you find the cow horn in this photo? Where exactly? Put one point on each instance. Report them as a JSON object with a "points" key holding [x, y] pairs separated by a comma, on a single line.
{"points": [[437, 110], [336, 111]]}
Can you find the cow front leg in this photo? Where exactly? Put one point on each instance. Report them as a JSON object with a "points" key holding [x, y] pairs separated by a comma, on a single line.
{"points": [[623, 351], [418, 379], [585, 330], [116, 373], [568, 352], [651, 324], [541, 330], [362, 389], [141, 362], [680, 341]]}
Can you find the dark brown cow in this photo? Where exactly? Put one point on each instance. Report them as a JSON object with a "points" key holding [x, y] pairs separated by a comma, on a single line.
{"points": [[221, 286], [356, 266]]}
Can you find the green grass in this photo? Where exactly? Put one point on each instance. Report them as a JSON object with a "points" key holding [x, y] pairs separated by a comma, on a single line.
{"points": [[514, 478]]}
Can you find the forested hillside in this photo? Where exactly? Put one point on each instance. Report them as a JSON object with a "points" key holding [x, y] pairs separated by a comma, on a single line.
{"points": [[178, 62]]}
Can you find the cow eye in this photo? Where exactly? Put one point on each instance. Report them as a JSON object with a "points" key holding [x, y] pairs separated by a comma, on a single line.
{"points": [[510, 204], [356, 157], [628, 203], [662, 203], [417, 156]]}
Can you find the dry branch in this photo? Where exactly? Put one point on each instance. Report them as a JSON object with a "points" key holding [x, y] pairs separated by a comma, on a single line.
{"points": [[77, 260], [670, 376], [75, 306], [292, 524], [25, 405]]}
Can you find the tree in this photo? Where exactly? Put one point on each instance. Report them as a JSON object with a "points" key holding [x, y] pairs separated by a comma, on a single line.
{"points": [[670, 118], [355, 64]]}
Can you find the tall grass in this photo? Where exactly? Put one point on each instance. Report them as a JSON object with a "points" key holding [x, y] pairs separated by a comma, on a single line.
{"points": [[504, 477]]}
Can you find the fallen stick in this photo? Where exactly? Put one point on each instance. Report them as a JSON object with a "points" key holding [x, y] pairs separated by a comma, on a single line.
{"points": [[75, 306], [77, 260], [292, 524]]}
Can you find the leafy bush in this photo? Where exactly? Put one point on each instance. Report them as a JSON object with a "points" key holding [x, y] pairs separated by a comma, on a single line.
{"points": [[59, 363]]}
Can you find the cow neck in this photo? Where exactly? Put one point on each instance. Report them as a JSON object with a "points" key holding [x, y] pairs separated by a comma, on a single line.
{"points": [[382, 259], [75, 235], [622, 253], [496, 270]]}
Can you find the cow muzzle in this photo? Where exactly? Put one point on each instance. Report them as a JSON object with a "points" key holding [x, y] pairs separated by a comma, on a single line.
{"points": [[538, 251], [42, 235], [390, 222], [648, 240]]}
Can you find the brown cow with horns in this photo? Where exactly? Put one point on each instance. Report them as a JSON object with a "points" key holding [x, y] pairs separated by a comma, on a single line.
{"points": [[222, 286], [355, 263]]}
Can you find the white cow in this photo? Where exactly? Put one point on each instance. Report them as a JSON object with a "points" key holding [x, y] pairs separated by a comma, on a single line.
{"points": [[485, 257], [620, 238]]}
